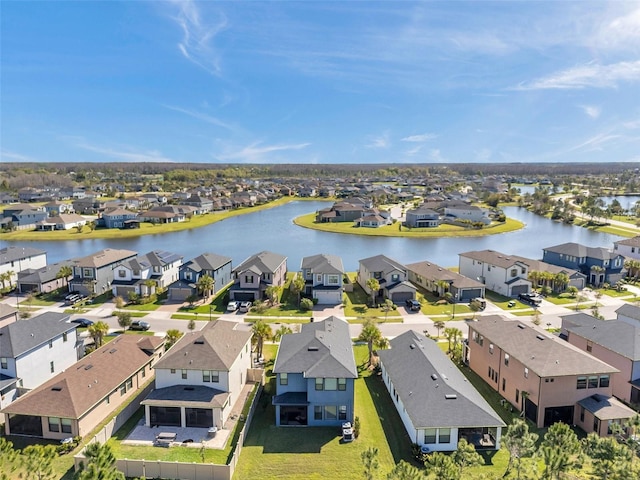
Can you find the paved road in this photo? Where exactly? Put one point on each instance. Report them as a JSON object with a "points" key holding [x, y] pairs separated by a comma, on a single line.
{"points": [[549, 315]]}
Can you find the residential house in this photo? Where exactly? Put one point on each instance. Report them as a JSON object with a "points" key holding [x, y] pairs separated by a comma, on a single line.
{"points": [[34, 351], [44, 279], [574, 278], [77, 400], [144, 273], [217, 267], [200, 378], [421, 217], [24, 215], [64, 221], [14, 260], [341, 212], [57, 207], [501, 273], [89, 205], [256, 273], [371, 220], [94, 274], [437, 405], [8, 314], [616, 342], [315, 373], [469, 212], [323, 275], [392, 277], [202, 204], [440, 280], [629, 313], [629, 247], [543, 376], [597, 263], [161, 215], [118, 218]]}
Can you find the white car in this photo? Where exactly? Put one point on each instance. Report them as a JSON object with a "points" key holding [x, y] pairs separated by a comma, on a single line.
{"points": [[245, 307], [232, 306]]}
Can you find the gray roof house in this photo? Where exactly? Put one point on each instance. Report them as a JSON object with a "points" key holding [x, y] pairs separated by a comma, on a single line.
{"points": [[45, 279], [201, 377], [33, 351], [629, 313], [429, 275], [436, 403], [315, 372], [256, 273], [391, 275], [216, 266], [616, 342], [323, 275]]}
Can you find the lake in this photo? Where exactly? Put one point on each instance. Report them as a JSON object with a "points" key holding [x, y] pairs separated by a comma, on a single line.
{"points": [[244, 235]]}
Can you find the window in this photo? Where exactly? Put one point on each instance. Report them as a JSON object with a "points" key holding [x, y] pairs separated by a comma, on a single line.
{"points": [[144, 371], [377, 275], [524, 271], [517, 396], [342, 412], [52, 367], [248, 279], [50, 343], [581, 383], [3, 363], [504, 384], [330, 383], [444, 435], [65, 423], [429, 435], [330, 412], [604, 381], [490, 372], [395, 277], [491, 348], [319, 384], [284, 379], [514, 272], [596, 425], [122, 273], [206, 376], [333, 279], [342, 384], [123, 389], [593, 382], [64, 337], [184, 374], [54, 424], [87, 273], [582, 414], [318, 277], [215, 376], [317, 412], [506, 359], [481, 340], [173, 370], [589, 345], [526, 372], [130, 384]]}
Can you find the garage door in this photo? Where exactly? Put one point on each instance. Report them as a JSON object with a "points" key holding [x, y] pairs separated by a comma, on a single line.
{"points": [[329, 298], [179, 294], [243, 296], [401, 297], [470, 294], [518, 289]]}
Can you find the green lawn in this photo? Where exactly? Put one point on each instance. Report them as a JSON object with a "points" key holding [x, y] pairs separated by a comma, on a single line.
{"points": [[394, 230], [503, 302]]}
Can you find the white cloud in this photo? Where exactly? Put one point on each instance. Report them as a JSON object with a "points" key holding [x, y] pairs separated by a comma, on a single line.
{"points": [[436, 156], [414, 151], [423, 137], [379, 141], [201, 116], [591, 110], [197, 36], [127, 154], [589, 75], [621, 32], [596, 142], [257, 153], [8, 156]]}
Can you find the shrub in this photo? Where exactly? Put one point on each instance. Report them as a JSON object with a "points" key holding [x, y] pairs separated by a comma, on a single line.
{"points": [[356, 427], [306, 304]]}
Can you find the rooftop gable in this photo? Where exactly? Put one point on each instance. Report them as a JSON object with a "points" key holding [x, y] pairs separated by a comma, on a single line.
{"points": [[20, 337]]}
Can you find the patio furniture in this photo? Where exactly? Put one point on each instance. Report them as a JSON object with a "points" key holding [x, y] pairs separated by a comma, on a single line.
{"points": [[212, 431], [164, 439]]}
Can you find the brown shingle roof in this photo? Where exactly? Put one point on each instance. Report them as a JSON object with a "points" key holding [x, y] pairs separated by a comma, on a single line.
{"points": [[105, 257], [75, 391], [435, 272], [494, 258]]}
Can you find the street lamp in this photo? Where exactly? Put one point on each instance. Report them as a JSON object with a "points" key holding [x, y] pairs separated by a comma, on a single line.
{"points": [[210, 308]]}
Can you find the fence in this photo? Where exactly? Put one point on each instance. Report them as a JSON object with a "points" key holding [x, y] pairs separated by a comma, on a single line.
{"points": [[183, 471]]}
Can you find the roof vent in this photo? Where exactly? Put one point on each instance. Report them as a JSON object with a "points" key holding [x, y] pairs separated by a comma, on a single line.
{"points": [[412, 346], [312, 348], [540, 337], [113, 350], [199, 341], [451, 396], [434, 376], [521, 326], [56, 389], [88, 367], [189, 389]]}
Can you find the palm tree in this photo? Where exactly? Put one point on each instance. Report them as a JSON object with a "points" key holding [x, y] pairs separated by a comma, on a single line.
{"points": [[439, 326], [205, 285], [150, 284], [443, 287], [371, 334], [172, 336], [560, 281], [65, 272], [9, 276], [273, 293], [387, 306], [261, 332], [97, 331], [297, 286], [373, 285], [534, 278], [281, 332], [4, 277]]}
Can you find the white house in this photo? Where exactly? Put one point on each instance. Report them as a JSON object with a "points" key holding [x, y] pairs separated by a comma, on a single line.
{"points": [[501, 273], [34, 351], [471, 213], [160, 266], [200, 378], [629, 247], [323, 278], [16, 259], [437, 405]]}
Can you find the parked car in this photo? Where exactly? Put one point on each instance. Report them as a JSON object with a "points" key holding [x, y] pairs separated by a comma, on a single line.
{"points": [[82, 322], [481, 302], [413, 305], [245, 307], [232, 306], [139, 325], [531, 298], [511, 304]]}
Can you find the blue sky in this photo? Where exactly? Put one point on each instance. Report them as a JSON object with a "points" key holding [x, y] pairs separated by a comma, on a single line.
{"points": [[320, 82]]}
